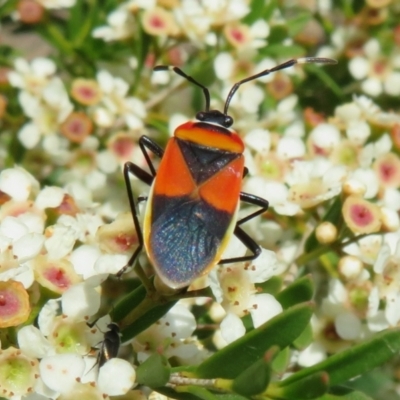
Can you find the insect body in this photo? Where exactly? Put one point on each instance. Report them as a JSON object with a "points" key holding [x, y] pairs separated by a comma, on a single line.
{"points": [[110, 345], [192, 207], [191, 212]]}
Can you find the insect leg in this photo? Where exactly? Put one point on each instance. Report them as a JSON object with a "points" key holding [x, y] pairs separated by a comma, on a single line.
{"points": [[256, 201], [130, 168], [145, 143], [247, 240]]}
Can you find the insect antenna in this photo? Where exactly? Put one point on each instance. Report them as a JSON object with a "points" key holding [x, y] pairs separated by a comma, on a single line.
{"points": [[287, 64], [187, 77]]}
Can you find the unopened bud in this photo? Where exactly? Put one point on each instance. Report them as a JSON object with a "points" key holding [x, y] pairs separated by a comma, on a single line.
{"points": [[390, 219], [353, 186], [326, 232], [350, 267], [30, 11]]}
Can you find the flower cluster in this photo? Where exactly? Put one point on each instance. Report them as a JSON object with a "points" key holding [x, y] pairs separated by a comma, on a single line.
{"points": [[322, 145]]}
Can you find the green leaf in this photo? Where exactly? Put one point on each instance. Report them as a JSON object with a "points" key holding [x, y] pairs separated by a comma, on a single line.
{"points": [[283, 51], [127, 303], [372, 382], [55, 36], [305, 339], [256, 10], [200, 392], [281, 361], [278, 33], [154, 372], [83, 23], [310, 387], [271, 286], [349, 395], [299, 291], [324, 76], [270, 8], [170, 393], [76, 18], [297, 24], [7, 7], [280, 331], [256, 378], [356, 360], [132, 301], [146, 320]]}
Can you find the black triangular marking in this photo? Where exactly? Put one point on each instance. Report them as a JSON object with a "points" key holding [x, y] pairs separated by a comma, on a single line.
{"points": [[204, 162]]}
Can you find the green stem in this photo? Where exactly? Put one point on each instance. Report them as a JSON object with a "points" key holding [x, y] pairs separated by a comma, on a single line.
{"points": [[144, 306], [206, 292], [327, 264], [57, 38], [147, 283], [307, 257]]}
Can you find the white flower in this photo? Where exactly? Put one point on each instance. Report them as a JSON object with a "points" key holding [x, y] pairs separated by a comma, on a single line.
{"points": [[196, 18], [62, 236], [245, 38], [248, 97], [80, 301], [61, 241], [50, 196], [43, 98], [32, 77], [325, 136], [192, 20], [56, 97], [33, 343], [312, 355], [263, 267], [277, 194], [116, 377], [391, 199], [366, 248], [121, 25], [61, 372], [232, 328], [63, 342], [233, 286], [115, 103], [284, 113], [264, 307], [378, 74], [18, 245], [355, 117], [290, 147], [51, 4], [373, 150], [387, 288], [358, 132], [312, 182], [348, 326], [18, 183], [170, 336], [47, 111], [258, 140], [368, 178], [134, 5]]}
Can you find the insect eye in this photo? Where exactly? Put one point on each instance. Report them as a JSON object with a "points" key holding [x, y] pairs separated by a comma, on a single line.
{"points": [[228, 121], [201, 116]]}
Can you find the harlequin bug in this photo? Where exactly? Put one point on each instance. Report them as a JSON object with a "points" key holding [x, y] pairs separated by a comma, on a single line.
{"points": [[191, 212]]}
